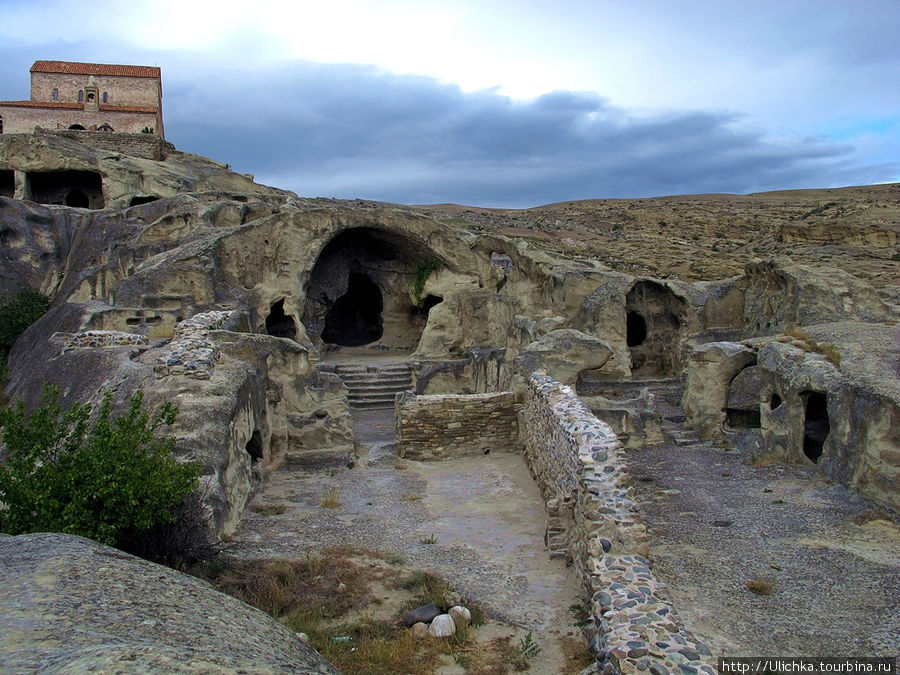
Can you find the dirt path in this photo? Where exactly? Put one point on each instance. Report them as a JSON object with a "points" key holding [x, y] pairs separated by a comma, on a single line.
{"points": [[717, 523], [478, 522]]}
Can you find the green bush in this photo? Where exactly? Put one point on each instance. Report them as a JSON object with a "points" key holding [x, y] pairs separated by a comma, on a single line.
{"points": [[109, 481], [18, 312]]}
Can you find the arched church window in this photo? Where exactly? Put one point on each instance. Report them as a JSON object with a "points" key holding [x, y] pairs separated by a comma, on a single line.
{"points": [[56, 94], [80, 96], [104, 97]]}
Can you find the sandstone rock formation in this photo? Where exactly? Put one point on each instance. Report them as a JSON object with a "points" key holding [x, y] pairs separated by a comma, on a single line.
{"points": [[72, 605], [236, 292]]}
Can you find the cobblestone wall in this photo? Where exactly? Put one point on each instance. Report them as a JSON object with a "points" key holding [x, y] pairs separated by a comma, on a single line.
{"points": [[592, 521], [190, 352], [442, 426]]}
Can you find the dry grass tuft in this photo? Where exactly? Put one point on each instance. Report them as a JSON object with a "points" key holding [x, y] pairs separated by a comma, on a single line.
{"points": [[761, 586], [829, 351], [330, 498], [410, 497], [268, 509]]}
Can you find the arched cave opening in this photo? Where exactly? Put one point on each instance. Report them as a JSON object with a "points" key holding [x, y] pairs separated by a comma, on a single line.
{"points": [[775, 402], [427, 303], [816, 424], [355, 317], [7, 183], [279, 324], [360, 291], [652, 329], [635, 329], [254, 447], [142, 199], [83, 188], [742, 407]]}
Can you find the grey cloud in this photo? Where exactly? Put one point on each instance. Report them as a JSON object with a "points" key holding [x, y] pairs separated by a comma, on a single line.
{"points": [[352, 131]]}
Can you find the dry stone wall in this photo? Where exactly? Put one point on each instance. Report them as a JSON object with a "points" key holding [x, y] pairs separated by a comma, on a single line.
{"points": [[592, 521], [442, 426]]}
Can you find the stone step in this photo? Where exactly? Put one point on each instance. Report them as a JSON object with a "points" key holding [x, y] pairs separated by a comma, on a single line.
{"points": [[374, 385]]}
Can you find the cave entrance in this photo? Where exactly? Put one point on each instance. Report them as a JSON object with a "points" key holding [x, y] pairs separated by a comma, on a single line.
{"points": [[816, 424], [742, 407], [355, 317], [279, 324], [83, 189], [7, 183], [652, 329], [254, 447], [360, 292]]}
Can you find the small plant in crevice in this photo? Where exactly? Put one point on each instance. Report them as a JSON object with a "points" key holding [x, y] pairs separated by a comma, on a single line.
{"points": [[422, 273], [432, 539]]}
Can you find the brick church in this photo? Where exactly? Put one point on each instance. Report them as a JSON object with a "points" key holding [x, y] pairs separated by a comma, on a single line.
{"points": [[90, 97]]}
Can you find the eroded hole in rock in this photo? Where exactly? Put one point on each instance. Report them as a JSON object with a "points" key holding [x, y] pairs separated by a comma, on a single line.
{"points": [[7, 183], [775, 402], [143, 199], [355, 318], [279, 324], [82, 189], [742, 408], [254, 447], [652, 327], [427, 303], [635, 329], [816, 425]]}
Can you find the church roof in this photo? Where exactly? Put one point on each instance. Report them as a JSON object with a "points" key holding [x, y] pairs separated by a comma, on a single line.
{"points": [[77, 68]]}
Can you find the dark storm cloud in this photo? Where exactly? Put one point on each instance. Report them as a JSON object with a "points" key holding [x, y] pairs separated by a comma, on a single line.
{"points": [[352, 131]]}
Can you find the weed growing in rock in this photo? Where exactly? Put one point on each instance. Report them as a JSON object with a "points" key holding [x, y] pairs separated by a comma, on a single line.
{"points": [[109, 481]]}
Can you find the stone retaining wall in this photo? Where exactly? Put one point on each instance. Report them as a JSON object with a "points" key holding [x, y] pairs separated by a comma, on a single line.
{"points": [[190, 352], [441, 426], [592, 521], [146, 146], [94, 339]]}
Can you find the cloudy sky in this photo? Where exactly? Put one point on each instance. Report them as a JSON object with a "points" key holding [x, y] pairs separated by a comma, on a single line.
{"points": [[502, 102]]}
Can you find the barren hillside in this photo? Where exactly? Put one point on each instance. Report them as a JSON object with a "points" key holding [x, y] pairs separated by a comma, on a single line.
{"points": [[702, 237]]}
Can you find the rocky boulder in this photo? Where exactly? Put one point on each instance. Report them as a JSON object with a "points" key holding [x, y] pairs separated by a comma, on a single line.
{"points": [[563, 354], [72, 605]]}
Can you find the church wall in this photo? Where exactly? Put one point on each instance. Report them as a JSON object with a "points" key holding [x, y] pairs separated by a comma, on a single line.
{"points": [[136, 91]]}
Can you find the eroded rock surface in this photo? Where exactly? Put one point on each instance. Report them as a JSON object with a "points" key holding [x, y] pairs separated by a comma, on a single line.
{"points": [[72, 605]]}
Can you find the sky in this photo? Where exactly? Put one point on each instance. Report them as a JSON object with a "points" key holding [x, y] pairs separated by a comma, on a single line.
{"points": [[502, 103]]}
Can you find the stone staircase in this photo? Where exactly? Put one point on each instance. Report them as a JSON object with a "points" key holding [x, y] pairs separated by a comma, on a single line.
{"points": [[374, 385]]}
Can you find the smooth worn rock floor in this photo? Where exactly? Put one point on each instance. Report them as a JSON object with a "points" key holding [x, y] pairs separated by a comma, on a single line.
{"points": [[476, 521], [717, 523]]}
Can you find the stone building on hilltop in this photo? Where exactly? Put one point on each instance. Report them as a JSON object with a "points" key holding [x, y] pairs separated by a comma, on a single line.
{"points": [[89, 97]]}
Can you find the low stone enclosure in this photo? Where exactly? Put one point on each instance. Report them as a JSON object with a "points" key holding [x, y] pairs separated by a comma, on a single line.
{"points": [[592, 522]]}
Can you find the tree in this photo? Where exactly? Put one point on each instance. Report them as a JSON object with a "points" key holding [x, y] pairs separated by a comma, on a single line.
{"points": [[109, 481], [18, 312]]}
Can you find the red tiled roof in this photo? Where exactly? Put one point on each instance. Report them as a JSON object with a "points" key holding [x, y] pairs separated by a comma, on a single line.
{"points": [[78, 106], [76, 68], [43, 104]]}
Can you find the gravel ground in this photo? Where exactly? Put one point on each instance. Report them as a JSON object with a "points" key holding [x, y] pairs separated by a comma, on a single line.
{"points": [[478, 522], [717, 523]]}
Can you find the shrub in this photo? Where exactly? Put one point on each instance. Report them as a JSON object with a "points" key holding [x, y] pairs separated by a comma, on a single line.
{"points": [[422, 274], [110, 482], [18, 312]]}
